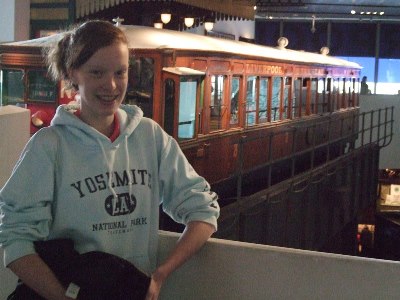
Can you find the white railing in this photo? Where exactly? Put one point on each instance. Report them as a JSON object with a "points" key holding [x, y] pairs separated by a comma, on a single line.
{"points": [[234, 270], [228, 270]]}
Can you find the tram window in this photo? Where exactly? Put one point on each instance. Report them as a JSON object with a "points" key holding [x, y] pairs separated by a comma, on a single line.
{"points": [[235, 88], [296, 103], [187, 108], [350, 93], [251, 100], [335, 94], [341, 93], [12, 87], [304, 94], [263, 100], [347, 93], [200, 129], [285, 104], [140, 86], [355, 91], [276, 98], [40, 87], [169, 110], [329, 94], [314, 95], [217, 107], [322, 99]]}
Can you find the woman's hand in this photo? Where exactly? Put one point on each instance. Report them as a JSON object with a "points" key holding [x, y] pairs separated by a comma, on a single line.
{"points": [[157, 280], [193, 238], [34, 272]]}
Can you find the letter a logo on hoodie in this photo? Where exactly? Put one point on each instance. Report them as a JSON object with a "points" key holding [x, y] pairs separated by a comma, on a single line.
{"points": [[123, 205]]}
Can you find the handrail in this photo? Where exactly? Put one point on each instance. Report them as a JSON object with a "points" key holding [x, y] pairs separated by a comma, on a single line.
{"points": [[378, 131]]}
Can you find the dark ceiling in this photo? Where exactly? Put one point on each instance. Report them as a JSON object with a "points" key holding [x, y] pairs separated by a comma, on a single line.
{"points": [[365, 10]]}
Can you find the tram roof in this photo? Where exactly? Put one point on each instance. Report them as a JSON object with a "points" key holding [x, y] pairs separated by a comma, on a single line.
{"points": [[141, 37]]}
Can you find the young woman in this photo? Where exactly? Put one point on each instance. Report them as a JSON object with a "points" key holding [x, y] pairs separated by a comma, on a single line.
{"points": [[98, 174]]}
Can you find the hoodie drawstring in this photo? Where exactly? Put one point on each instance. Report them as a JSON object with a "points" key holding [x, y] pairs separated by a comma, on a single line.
{"points": [[128, 165], [110, 166]]}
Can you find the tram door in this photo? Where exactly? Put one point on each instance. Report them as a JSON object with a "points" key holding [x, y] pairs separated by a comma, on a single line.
{"points": [[182, 102]]}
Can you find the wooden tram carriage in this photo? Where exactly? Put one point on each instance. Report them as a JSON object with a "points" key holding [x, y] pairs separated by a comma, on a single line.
{"points": [[211, 95]]}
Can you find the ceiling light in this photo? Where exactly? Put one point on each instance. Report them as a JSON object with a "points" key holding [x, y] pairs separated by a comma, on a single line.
{"points": [[353, 12], [382, 13], [209, 23], [189, 21], [158, 25], [165, 18]]}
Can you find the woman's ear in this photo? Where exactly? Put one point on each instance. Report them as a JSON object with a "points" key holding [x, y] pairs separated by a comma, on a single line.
{"points": [[72, 79]]}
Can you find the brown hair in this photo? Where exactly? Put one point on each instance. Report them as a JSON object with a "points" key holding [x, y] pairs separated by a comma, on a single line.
{"points": [[77, 45]]}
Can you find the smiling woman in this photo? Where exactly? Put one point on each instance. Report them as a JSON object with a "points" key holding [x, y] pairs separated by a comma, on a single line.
{"points": [[111, 168]]}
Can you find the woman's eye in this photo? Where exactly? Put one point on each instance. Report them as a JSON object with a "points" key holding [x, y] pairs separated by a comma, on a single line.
{"points": [[96, 73], [121, 73]]}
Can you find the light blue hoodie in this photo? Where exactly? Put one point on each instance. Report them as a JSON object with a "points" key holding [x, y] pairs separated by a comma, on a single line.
{"points": [[72, 182]]}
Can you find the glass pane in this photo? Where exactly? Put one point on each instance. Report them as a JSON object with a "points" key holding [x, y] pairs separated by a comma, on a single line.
{"points": [[340, 96], [348, 92], [329, 94], [262, 108], [41, 87], [187, 109], [296, 103], [313, 95], [388, 77], [216, 105], [199, 118], [169, 98], [356, 86], [140, 85], [251, 104], [335, 94], [322, 100], [276, 98], [355, 90], [250, 118], [368, 68], [304, 95], [12, 87], [285, 113], [234, 119]]}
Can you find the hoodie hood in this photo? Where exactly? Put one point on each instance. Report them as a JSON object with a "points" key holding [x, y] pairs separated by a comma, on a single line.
{"points": [[129, 117]]}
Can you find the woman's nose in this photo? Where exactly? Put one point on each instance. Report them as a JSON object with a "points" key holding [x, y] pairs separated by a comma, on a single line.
{"points": [[110, 82]]}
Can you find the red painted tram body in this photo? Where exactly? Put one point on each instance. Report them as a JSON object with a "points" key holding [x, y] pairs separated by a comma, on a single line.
{"points": [[212, 95]]}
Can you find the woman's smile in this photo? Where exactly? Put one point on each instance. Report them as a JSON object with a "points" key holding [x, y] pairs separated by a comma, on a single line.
{"points": [[108, 98]]}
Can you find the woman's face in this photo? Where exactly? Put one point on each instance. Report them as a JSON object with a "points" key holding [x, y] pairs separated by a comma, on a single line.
{"points": [[102, 81]]}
